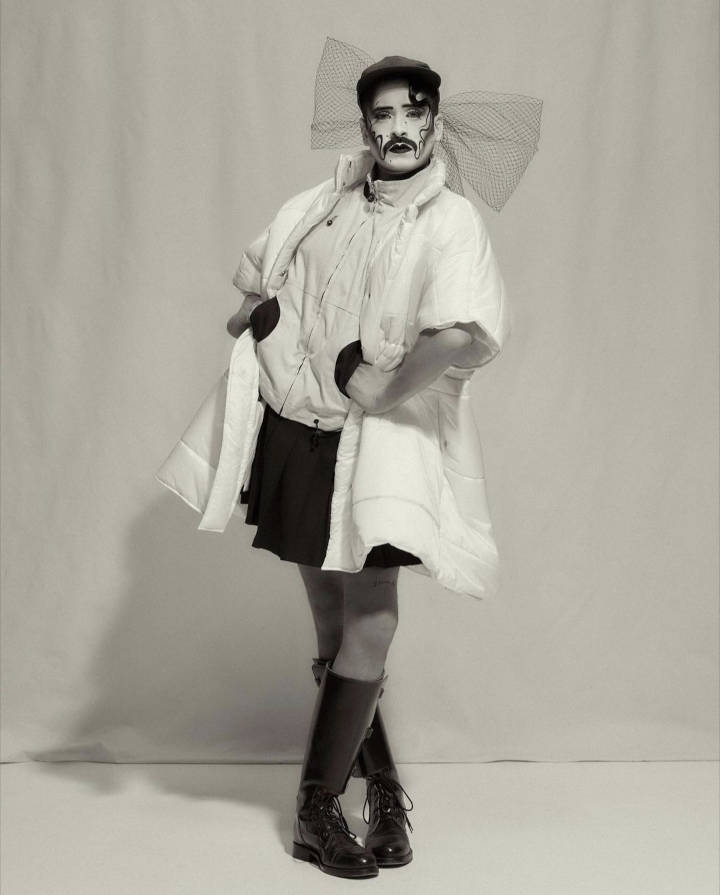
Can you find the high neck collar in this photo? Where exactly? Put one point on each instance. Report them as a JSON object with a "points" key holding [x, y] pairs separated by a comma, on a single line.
{"points": [[399, 191], [353, 169]]}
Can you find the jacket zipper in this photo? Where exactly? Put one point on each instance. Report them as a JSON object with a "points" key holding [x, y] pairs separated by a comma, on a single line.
{"points": [[322, 296]]}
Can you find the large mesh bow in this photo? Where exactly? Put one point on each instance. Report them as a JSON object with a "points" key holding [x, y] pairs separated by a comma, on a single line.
{"points": [[488, 138]]}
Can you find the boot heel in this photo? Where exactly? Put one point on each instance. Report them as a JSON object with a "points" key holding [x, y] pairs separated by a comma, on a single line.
{"points": [[304, 853]]}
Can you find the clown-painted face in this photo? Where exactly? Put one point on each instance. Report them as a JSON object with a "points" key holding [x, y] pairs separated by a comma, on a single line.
{"points": [[399, 133]]}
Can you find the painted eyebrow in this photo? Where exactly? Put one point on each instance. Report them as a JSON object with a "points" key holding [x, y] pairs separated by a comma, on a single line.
{"points": [[404, 106]]}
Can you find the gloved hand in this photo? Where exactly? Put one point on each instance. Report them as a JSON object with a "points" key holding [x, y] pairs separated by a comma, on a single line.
{"points": [[367, 385], [240, 320]]}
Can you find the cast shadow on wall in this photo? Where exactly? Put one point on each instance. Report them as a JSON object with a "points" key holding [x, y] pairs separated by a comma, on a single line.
{"points": [[206, 659]]}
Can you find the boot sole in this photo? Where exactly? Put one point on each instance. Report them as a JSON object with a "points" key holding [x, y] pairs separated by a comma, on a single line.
{"points": [[394, 862], [303, 853]]}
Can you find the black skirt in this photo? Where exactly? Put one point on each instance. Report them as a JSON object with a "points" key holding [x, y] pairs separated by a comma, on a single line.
{"points": [[290, 492]]}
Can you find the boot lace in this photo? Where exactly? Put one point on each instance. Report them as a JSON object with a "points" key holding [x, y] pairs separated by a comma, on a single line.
{"points": [[327, 807], [388, 797]]}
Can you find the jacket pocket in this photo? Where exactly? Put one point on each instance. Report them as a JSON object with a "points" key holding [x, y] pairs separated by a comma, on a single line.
{"points": [[347, 362], [264, 318]]}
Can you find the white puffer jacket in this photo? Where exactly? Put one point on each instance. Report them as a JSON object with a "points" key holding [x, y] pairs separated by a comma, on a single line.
{"points": [[412, 476]]}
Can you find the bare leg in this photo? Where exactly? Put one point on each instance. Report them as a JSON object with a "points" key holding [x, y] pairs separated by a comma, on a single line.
{"points": [[369, 623], [325, 595]]}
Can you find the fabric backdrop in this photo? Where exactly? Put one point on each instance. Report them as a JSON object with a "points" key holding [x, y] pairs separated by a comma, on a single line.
{"points": [[144, 145]]}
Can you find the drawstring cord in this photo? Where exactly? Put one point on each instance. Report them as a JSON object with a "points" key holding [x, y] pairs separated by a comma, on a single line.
{"points": [[317, 433], [315, 436]]}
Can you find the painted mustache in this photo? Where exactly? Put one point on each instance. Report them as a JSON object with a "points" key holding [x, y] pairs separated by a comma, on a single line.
{"points": [[403, 141]]}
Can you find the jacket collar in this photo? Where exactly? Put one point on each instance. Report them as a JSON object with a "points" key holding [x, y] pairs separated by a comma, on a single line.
{"points": [[353, 168]]}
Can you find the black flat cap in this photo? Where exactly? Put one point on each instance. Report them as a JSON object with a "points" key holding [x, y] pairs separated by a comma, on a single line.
{"points": [[398, 67]]}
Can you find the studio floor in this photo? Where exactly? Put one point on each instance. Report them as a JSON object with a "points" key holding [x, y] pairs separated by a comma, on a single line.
{"points": [[501, 828]]}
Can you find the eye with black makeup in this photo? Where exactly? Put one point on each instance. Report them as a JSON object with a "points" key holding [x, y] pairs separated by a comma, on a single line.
{"points": [[415, 112]]}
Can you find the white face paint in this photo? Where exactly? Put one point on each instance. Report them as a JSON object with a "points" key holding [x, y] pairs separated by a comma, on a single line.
{"points": [[400, 134]]}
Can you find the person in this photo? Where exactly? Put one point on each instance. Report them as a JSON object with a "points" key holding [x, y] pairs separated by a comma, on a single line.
{"points": [[315, 347], [369, 301]]}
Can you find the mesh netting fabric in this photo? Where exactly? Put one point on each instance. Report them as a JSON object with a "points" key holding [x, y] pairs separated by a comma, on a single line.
{"points": [[336, 122], [488, 138]]}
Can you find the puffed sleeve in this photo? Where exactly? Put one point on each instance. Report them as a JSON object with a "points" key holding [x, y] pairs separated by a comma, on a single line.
{"points": [[248, 276], [464, 285]]}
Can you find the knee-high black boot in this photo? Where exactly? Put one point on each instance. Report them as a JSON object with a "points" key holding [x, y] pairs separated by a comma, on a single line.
{"points": [[387, 837], [343, 710]]}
